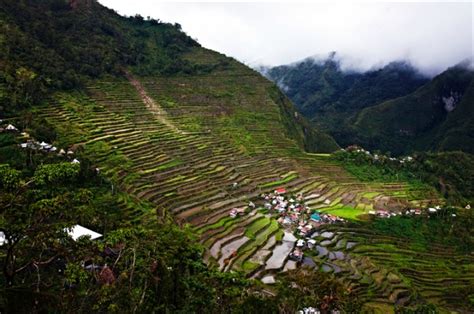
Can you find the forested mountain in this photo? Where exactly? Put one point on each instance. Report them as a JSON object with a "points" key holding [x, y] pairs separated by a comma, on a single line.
{"points": [[194, 181], [437, 117], [49, 45], [55, 44], [382, 109], [322, 88]]}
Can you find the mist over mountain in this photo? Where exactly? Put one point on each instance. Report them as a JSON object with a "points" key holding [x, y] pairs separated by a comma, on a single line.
{"points": [[345, 102], [431, 35], [437, 116], [143, 173]]}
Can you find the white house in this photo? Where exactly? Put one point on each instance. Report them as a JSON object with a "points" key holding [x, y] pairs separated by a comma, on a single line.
{"points": [[11, 127], [78, 231], [3, 239]]}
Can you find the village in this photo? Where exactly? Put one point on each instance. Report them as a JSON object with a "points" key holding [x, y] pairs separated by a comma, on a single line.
{"points": [[354, 149], [34, 145], [303, 222], [293, 216], [287, 208]]}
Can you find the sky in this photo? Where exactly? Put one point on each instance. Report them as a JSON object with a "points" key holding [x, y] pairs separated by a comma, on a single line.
{"points": [[430, 35]]}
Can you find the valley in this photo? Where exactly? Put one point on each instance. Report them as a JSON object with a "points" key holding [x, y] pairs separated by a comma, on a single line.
{"points": [[139, 133], [200, 186], [365, 108]]}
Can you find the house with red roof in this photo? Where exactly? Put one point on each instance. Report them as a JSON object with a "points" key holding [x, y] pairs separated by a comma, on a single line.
{"points": [[280, 191]]}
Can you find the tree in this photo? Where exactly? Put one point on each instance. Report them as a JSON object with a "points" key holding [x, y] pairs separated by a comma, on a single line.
{"points": [[33, 219], [25, 88], [307, 288]]}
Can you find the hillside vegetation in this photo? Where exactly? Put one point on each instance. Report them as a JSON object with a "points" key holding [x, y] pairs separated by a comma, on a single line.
{"points": [[157, 141], [40, 55], [394, 109], [437, 117], [330, 97]]}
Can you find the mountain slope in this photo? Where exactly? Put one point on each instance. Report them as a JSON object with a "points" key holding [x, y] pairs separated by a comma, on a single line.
{"points": [[192, 136], [41, 54], [391, 109], [328, 96], [438, 116], [49, 45]]}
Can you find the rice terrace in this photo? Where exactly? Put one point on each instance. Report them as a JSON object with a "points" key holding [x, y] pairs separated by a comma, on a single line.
{"points": [[212, 157]]}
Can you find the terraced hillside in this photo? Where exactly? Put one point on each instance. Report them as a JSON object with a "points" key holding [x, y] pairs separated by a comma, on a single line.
{"points": [[183, 134], [387, 270], [196, 147]]}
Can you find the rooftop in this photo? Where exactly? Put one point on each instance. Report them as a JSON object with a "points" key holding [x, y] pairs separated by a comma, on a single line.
{"points": [[78, 231]]}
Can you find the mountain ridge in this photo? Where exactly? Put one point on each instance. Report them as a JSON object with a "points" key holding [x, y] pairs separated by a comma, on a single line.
{"points": [[38, 58], [342, 102], [442, 109]]}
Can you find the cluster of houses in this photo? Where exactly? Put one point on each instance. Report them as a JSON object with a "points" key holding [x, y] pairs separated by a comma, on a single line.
{"points": [[381, 213], [32, 144], [376, 157], [312, 310], [48, 148], [297, 254], [293, 213], [43, 146]]}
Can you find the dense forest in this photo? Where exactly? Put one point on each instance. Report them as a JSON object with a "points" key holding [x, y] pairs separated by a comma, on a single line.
{"points": [[47, 45]]}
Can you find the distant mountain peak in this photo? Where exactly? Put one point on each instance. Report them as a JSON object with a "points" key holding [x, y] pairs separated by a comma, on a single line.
{"points": [[332, 55], [400, 64]]}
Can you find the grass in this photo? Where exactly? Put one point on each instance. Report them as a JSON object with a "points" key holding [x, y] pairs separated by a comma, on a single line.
{"points": [[280, 182], [279, 235], [249, 266], [165, 166], [345, 211], [370, 195], [218, 224], [256, 226]]}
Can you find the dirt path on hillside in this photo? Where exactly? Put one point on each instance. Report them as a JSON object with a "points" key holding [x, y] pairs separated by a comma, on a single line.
{"points": [[154, 108]]}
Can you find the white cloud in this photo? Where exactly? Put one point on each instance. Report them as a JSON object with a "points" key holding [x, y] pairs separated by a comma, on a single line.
{"points": [[432, 35]]}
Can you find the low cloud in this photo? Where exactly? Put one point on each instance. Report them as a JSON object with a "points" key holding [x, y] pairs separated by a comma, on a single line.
{"points": [[431, 36]]}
